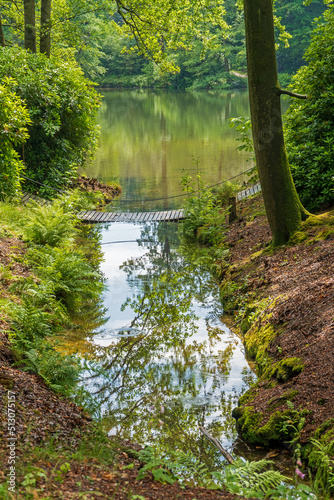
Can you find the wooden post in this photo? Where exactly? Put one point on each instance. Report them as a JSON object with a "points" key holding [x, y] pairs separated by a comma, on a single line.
{"points": [[232, 213]]}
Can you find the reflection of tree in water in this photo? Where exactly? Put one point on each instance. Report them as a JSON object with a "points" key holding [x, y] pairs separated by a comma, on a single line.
{"points": [[155, 363]]}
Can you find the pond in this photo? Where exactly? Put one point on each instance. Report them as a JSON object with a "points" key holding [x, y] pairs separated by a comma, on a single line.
{"points": [[148, 139], [163, 362]]}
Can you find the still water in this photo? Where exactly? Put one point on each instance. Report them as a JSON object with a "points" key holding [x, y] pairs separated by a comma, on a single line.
{"points": [[148, 139], [163, 363]]}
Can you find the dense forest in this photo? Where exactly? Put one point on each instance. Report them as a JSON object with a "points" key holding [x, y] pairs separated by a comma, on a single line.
{"points": [[96, 36]]}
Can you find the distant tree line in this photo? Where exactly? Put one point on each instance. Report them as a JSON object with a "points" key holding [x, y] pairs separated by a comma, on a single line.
{"points": [[97, 34]]}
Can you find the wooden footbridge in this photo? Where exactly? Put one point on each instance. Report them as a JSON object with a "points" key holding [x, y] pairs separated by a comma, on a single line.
{"points": [[94, 216]]}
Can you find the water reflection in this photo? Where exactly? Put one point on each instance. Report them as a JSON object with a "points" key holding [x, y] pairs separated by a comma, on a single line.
{"points": [[147, 138], [167, 362]]}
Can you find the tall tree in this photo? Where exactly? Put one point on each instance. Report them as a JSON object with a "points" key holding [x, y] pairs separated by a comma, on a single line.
{"points": [[2, 37], [29, 25], [283, 207], [45, 33]]}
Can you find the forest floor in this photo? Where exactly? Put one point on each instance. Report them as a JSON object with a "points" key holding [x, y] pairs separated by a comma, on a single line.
{"points": [[297, 281], [79, 463]]}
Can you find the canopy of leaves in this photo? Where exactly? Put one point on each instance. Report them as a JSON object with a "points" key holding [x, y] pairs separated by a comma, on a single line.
{"points": [[310, 123], [62, 107]]}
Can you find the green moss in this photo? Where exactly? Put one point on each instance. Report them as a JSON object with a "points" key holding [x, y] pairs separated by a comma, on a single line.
{"points": [[249, 395], [260, 332], [285, 369], [247, 320], [319, 220], [256, 343], [248, 422], [324, 234], [276, 402], [298, 238], [274, 431], [249, 425]]}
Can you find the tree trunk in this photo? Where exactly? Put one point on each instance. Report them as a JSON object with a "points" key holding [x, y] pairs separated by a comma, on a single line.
{"points": [[45, 36], [283, 207], [2, 37], [29, 25]]}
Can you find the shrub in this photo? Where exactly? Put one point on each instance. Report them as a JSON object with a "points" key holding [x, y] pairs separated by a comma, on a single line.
{"points": [[203, 215], [62, 284], [14, 119], [310, 122], [224, 192], [62, 106]]}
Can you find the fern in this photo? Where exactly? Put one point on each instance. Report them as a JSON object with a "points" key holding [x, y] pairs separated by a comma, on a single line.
{"points": [[249, 478], [29, 322], [322, 458], [72, 279], [50, 224], [188, 468], [59, 372]]}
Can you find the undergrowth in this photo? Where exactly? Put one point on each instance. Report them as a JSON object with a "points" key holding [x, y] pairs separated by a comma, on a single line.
{"points": [[60, 283], [254, 479], [205, 213]]}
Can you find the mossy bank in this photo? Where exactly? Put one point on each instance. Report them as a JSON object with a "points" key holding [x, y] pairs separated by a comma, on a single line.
{"points": [[283, 305]]}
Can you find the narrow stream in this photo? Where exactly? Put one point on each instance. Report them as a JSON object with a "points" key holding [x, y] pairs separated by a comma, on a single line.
{"points": [[164, 362]]}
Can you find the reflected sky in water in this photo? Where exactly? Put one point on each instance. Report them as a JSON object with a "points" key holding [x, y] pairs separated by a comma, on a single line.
{"points": [[169, 363]]}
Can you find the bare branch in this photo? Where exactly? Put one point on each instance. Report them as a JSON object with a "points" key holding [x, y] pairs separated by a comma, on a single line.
{"points": [[292, 94], [217, 444]]}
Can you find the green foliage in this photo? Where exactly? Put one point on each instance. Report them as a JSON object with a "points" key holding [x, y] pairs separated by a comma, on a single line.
{"points": [[77, 200], [321, 459], [155, 465], [61, 372], [49, 224], [224, 192], [204, 217], [61, 286], [68, 274], [297, 19], [249, 478], [62, 107], [309, 123], [243, 126], [14, 119]]}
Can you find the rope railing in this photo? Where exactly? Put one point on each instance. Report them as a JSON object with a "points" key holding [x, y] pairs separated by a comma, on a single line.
{"points": [[240, 195]]}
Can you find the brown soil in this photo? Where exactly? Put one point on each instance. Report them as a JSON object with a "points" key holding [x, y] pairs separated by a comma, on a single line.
{"points": [[304, 275], [86, 184]]}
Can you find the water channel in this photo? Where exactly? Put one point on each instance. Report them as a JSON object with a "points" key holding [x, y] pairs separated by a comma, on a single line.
{"points": [[164, 361]]}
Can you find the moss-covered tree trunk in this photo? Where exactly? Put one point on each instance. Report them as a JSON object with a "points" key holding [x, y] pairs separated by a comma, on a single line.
{"points": [[29, 25], [284, 209], [45, 36]]}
